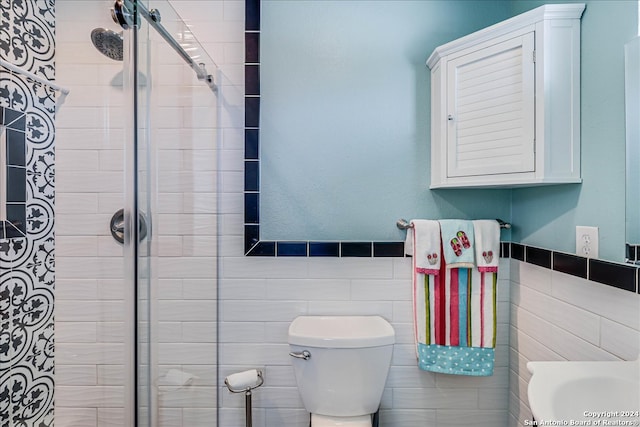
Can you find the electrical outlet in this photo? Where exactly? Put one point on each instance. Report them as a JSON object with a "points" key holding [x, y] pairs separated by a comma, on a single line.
{"points": [[587, 241]]}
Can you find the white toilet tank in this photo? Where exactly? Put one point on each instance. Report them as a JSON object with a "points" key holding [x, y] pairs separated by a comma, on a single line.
{"points": [[348, 364]]}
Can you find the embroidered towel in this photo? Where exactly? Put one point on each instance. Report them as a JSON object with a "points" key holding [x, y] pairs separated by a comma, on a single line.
{"points": [[487, 237], [423, 243], [457, 243]]}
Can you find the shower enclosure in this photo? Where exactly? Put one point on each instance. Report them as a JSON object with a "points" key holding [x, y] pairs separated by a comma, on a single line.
{"points": [[136, 218]]}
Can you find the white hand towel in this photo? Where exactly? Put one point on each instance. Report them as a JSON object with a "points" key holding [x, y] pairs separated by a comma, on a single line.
{"points": [[423, 243], [487, 234]]}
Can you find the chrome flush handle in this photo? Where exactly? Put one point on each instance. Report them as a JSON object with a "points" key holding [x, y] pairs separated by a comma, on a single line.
{"points": [[301, 355]]}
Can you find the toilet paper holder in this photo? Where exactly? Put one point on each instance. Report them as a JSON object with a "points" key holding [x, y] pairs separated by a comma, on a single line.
{"points": [[248, 388], [244, 382]]}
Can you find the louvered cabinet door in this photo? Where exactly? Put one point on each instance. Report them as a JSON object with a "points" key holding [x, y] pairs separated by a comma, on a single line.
{"points": [[491, 109]]}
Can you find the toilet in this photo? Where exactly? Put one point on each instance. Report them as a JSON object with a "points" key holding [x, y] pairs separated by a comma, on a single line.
{"points": [[341, 365]]}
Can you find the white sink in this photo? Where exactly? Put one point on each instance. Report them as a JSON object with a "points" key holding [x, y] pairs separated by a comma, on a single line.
{"points": [[566, 392]]}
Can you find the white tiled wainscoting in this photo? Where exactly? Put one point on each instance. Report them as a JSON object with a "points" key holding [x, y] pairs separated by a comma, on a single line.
{"points": [[556, 316]]}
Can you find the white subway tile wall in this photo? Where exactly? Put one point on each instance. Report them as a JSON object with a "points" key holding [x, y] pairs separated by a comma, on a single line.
{"points": [[556, 316], [90, 373], [259, 296]]}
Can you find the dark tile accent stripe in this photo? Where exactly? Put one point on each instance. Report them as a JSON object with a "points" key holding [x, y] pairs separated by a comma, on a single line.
{"points": [[251, 237], [251, 175], [263, 248], [632, 252], [251, 144], [517, 251], [538, 256], [252, 48], [252, 15], [570, 264], [388, 249], [616, 275], [252, 79], [291, 249], [251, 208], [505, 251], [251, 112], [356, 249], [324, 249]]}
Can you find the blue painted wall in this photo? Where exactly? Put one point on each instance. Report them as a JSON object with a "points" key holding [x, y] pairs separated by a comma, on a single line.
{"points": [[547, 216], [345, 112], [353, 96]]}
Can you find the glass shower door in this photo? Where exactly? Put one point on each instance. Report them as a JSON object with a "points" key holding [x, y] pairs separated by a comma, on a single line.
{"points": [[171, 244]]}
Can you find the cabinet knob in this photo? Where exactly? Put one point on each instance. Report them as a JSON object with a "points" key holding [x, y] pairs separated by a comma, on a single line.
{"points": [[450, 117]]}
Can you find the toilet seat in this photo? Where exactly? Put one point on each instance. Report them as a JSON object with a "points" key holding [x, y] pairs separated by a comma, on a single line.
{"points": [[327, 421]]}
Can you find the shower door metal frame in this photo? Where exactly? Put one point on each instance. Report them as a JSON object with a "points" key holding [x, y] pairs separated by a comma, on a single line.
{"points": [[132, 252], [138, 139]]}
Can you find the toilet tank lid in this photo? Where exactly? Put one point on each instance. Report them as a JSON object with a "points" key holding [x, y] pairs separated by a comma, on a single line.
{"points": [[341, 331]]}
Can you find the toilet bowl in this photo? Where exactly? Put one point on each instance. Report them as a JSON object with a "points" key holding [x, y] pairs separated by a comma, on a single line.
{"points": [[341, 365]]}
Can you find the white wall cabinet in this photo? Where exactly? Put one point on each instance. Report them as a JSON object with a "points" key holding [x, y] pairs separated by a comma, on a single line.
{"points": [[505, 103]]}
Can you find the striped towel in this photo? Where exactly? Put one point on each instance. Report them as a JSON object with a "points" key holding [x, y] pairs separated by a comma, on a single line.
{"points": [[455, 315]]}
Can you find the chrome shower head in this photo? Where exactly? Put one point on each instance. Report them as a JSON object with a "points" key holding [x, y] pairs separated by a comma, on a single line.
{"points": [[108, 42]]}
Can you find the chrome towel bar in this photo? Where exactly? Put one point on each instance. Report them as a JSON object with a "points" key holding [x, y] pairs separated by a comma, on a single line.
{"points": [[403, 224]]}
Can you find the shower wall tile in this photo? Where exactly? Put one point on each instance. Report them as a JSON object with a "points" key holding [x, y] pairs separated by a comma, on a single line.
{"points": [[78, 245], [91, 396], [90, 117], [111, 332], [188, 353], [111, 417], [76, 332], [89, 267], [80, 311], [187, 201], [108, 247], [78, 203], [76, 375], [170, 417], [186, 311], [110, 374], [88, 182], [195, 289], [81, 289], [76, 416], [90, 354]]}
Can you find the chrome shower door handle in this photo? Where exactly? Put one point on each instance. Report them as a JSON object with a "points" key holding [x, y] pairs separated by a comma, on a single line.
{"points": [[117, 224], [305, 354]]}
